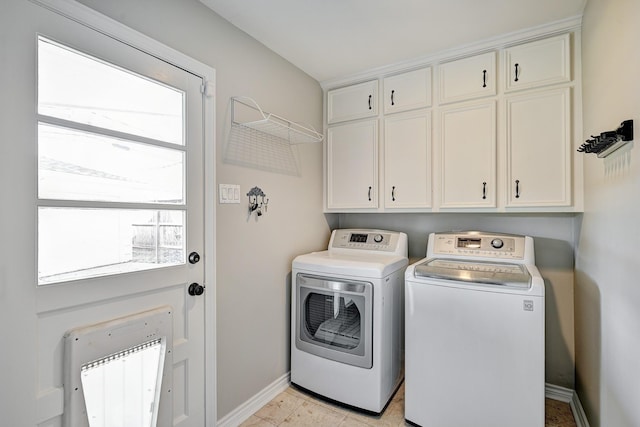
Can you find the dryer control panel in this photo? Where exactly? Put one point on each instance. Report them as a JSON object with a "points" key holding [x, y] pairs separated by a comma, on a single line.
{"points": [[478, 244], [370, 240]]}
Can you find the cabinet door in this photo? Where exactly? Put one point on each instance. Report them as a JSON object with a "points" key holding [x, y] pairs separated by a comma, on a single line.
{"points": [[407, 91], [352, 165], [539, 63], [352, 102], [407, 159], [538, 149], [468, 147], [468, 78]]}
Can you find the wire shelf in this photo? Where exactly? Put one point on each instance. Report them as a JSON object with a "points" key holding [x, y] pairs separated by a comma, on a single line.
{"points": [[271, 124]]}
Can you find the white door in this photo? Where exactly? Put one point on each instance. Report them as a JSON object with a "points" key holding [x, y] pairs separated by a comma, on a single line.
{"points": [[468, 147], [407, 91], [352, 102], [468, 78], [407, 160], [352, 165], [102, 176], [538, 149]]}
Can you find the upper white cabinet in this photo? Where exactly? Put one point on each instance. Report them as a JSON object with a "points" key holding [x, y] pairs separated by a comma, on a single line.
{"points": [[498, 133], [407, 91], [538, 63], [352, 165], [407, 160], [352, 102], [468, 78], [538, 149], [468, 152]]}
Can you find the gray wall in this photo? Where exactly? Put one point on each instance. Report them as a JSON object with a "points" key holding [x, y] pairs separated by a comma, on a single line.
{"points": [[607, 285], [254, 257], [554, 240]]}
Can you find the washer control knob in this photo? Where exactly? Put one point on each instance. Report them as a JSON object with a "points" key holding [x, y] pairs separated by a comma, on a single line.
{"points": [[497, 243], [378, 238]]}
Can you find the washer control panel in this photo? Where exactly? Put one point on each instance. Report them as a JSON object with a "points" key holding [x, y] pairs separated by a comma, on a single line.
{"points": [[477, 244], [372, 240]]}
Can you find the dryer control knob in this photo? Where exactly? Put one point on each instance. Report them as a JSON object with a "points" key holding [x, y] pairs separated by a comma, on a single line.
{"points": [[497, 243], [378, 238]]}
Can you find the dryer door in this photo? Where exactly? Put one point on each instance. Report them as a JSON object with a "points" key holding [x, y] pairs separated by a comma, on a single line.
{"points": [[334, 319]]}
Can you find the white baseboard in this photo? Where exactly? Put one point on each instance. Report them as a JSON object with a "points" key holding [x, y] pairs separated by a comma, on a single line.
{"points": [[571, 397], [251, 406]]}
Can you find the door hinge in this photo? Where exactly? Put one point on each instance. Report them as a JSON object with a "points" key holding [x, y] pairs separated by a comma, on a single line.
{"points": [[207, 89]]}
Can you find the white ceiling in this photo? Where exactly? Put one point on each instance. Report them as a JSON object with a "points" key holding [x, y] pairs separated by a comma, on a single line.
{"points": [[331, 39]]}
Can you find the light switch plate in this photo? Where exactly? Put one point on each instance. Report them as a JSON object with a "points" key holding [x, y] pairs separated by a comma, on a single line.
{"points": [[229, 193]]}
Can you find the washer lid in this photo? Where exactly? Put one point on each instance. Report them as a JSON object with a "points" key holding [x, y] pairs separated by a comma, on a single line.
{"points": [[486, 273]]}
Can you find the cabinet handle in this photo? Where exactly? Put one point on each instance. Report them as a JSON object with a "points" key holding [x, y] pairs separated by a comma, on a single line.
{"points": [[392, 93], [393, 193], [517, 188], [369, 194], [484, 190], [369, 102], [484, 78], [516, 79]]}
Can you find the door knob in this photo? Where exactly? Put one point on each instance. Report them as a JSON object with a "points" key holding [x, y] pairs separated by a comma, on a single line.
{"points": [[194, 257], [195, 289]]}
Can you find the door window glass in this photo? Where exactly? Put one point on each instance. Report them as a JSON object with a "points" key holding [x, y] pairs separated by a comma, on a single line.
{"points": [[75, 243], [78, 165], [111, 168], [83, 89]]}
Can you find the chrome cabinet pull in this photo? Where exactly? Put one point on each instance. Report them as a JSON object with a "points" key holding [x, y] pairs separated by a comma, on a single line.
{"points": [[517, 188], [484, 190], [392, 93], [369, 194], [369, 102], [516, 79], [393, 193], [484, 78]]}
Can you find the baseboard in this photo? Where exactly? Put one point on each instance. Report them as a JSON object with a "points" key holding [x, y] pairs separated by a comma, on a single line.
{"points": [[251, 406], [571, 397]]}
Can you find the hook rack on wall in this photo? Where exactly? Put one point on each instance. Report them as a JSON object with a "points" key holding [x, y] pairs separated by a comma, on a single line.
{"points": [[257, 201], [608, 142]]}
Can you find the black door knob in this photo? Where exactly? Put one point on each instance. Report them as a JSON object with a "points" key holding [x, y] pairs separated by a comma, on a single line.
{"points": [[194, 257], [195, 289]]}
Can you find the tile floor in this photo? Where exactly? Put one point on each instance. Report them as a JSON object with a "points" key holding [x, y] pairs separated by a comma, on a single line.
{"points": [[294, 407]]}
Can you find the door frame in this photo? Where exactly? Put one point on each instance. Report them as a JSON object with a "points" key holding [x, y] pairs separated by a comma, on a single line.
{"points": [[116, 30]]}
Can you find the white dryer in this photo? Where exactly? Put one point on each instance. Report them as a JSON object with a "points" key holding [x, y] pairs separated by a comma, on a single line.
{"points": [[475, 333], [347, 318]]}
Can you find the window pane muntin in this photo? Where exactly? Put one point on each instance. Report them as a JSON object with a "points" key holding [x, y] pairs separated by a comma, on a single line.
{"points": [[78, 165], [78, 87], [78, 243]]}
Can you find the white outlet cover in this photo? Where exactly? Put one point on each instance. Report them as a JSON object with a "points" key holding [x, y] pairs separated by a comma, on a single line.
{"points": [[229, 193]]}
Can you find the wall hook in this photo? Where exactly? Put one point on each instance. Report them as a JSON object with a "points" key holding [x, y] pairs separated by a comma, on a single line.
{"points": [[609, 141], [257, 201]]}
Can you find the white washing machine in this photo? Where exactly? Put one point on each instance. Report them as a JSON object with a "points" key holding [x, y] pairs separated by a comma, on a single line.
{"points": [[475, 333], [347, 318]]}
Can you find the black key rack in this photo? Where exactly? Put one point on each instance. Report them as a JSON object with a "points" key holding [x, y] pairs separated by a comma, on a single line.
{"points": [[609, 141]]}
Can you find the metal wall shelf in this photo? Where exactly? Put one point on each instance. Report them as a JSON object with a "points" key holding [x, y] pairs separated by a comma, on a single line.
{"points": [[271, 124]]}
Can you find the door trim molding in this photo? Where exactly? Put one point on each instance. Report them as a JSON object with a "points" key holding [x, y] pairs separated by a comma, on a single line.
{"points": [[90, 18]]}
